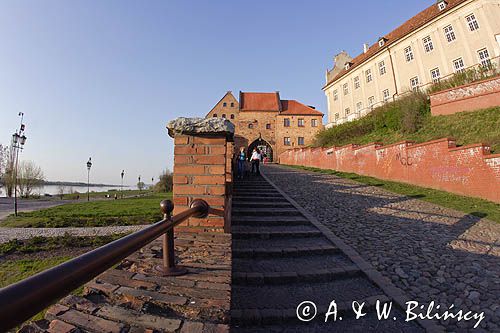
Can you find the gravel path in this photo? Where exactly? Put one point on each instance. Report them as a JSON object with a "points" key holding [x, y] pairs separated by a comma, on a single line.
{"points": [[7, 234], [432, 253]]}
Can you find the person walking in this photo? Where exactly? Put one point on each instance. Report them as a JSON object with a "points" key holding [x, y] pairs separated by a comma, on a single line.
{"points": [[255, 160], [242, 158]]}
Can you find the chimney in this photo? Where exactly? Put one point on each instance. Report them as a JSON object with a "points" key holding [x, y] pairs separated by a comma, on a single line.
{"points": [[365, 47]]}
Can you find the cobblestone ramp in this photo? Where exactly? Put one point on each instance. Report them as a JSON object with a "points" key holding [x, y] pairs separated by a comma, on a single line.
{"points": [[281, 259], [132, 297]]}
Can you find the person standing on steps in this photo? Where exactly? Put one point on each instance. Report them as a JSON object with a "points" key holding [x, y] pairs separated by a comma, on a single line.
{"points": [[255, 160], [242, 158]]}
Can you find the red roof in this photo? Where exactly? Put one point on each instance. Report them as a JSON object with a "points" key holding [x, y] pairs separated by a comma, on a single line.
{"points": [[293, 107], [412, 24], [250, 101]]}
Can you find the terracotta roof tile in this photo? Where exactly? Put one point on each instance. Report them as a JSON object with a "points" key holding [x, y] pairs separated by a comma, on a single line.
{"points": [[412, 24], [250, 101], [293, 107]]}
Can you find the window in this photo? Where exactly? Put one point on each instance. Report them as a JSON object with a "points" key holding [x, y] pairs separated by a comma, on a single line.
{"points": [[442, 5], [314, 123], [449, 34], [428, 46], [336, 116], [368, 74], [268, 126], [215, 115], [286, 122], [232, 104], [300, 141], [286, 141], [223, 115], [414, 83], [347, 111], [472, 22], [300, 122], [232, 116], [484, 57], [381, 67], [359, 106], [356, 82], [224, 104], [458, 65], [381, 42], [386, 95], [346, 89], [371, 101], [409, 54], [435, 75], [335, 95], [250, 126]]}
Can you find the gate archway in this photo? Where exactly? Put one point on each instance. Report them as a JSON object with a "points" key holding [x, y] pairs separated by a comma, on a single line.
{"points": [[265, 148]]}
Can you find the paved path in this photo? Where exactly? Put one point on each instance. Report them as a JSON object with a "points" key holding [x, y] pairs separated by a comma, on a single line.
{"points": [[281, 259], [7, 234], [7, 205], [431, 252]]}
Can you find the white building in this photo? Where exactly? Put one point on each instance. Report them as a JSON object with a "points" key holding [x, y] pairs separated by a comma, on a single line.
{"points": [[445, 38]]}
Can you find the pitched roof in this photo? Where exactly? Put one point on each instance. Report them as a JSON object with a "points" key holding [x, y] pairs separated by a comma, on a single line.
{"points": [[406, 28], [230, 93], [251, 101], [292, 107]]}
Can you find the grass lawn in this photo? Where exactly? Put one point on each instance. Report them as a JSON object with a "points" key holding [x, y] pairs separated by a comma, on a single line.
{"points": [[474, 206], [128, 211], [466, 127], [111, 193]]}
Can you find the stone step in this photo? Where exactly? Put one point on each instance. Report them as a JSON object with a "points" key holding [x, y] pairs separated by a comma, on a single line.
{"points": [[261, 204], [246, 198], [282, 247], [266, 211], [245, 232], [256, 221], [252, 304], [257, 194]]}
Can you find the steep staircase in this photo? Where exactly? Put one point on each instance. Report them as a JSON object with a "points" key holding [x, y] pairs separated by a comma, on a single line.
{"points": [[280, 259]]}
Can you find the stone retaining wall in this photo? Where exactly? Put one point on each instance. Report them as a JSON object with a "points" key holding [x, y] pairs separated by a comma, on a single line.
{"points": [[468, 170]]}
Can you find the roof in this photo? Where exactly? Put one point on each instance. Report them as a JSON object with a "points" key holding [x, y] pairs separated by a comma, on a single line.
{"points": [[251, 101], [293, 107], [417, 21], [230, 93]]}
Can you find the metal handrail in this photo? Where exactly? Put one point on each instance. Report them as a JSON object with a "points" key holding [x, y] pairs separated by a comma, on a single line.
{"points": [[22, 300]]}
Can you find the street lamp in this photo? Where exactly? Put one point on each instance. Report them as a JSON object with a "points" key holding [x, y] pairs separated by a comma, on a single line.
{"points": [[139, 184], [18, 141], [121, 188], [89, 165], [152, 182]]}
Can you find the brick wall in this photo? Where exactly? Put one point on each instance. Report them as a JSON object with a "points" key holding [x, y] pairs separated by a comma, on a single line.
{"points": [[470, 97], [468, 170], [202, 169]]}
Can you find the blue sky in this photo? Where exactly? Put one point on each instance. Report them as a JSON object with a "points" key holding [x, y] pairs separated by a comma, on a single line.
{"points": [[102, 78]]}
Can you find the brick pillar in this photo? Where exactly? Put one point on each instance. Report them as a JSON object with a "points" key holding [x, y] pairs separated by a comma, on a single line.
{"points": [[202, 169]]}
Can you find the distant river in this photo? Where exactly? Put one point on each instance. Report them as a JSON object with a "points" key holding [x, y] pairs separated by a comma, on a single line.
{"points": [[54, 189]]}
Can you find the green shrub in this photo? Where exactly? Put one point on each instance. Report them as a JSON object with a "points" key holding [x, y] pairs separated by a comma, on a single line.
{"points": [[468, 76]]}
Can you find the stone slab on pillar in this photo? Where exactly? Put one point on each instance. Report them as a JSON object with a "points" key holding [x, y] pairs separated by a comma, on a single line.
{"points": [[202, 169]]}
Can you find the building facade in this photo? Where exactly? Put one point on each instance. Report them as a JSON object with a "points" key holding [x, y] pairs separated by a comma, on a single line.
{"points": [[447, 37], [266, 121]]}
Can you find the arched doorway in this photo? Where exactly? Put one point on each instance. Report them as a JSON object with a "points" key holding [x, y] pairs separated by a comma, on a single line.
{"points": [[265, 148]]}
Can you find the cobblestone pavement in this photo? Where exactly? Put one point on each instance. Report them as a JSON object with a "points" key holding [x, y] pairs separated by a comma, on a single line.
{"points": [[432, 253], [133, 297], [7, 234]]}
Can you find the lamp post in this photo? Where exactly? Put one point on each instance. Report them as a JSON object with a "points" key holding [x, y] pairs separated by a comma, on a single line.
{"points": [[89, 165], [18, 141], [152, 182], [121, 188], [139, 184]]}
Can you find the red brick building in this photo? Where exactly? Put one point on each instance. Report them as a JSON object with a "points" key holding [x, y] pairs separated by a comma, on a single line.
{"points": [[266, 121]]}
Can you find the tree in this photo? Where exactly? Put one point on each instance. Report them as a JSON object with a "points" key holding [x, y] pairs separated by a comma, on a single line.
{"points": [[7, 175], [30, 177], [141, 185], [166, 182], [60, 191], [4, 153]]}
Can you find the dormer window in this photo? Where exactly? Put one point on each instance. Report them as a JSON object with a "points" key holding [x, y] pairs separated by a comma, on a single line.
{"points": [[381, 41], [442, 5], [347, 65]]}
